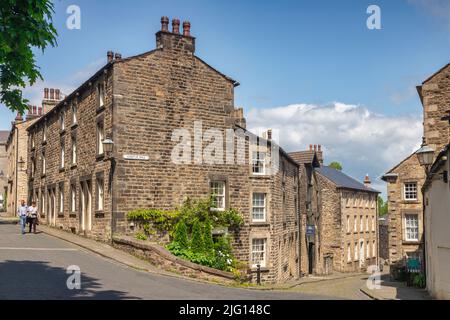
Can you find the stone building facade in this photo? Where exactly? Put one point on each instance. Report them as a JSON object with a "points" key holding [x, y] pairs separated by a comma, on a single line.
{"points": [[149, 105], [405, 181], [3, 170], [348, 228], [17, 155]]}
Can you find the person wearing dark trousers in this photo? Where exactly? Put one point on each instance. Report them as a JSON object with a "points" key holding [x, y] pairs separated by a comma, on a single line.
{"points": [[33, 216]]}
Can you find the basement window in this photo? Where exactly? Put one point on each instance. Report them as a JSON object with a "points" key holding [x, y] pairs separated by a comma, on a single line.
{"points": [[259, 252]]}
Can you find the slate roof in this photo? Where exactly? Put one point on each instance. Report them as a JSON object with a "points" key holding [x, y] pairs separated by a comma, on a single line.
{"points": [[4, 136], [341, 180]]}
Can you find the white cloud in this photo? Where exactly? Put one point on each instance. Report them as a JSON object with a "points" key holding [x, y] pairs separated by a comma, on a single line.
{"points": [[363, 141], [35, 93]]}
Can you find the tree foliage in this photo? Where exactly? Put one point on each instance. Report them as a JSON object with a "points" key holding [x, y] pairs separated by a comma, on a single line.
{"points": [[197, 243], [382, 206], [181, 234], [335, 165], [24, 25]]}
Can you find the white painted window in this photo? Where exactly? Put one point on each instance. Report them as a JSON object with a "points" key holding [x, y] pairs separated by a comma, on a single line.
{"points": [[62, 125], [348, 200], [355, 223], [361, 224], [74, 113], [367, 223], [259, 207], [374, 249], [44, 132], [100, 137], [73, 198], [412, 227], [62, 154], [100, 194], [43, 202], [259, 252], [74, 150], [61, 199], [101, 95], [44, 163], [356, 251], [349, 253], [410, 191], [348, 223], [373, 223], [218, 193], [258, 162], [367, 250]]}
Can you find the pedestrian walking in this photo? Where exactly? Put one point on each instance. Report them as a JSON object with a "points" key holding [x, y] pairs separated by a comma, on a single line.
{"points": [[33, 217], [22, 212]]}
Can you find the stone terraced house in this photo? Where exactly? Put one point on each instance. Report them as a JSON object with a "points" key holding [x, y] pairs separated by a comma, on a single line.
{"points": [[138, 103], [406, 179]]}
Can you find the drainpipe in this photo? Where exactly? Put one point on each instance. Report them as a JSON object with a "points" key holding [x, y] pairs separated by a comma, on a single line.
{"points": [[16, 170], [299, 219]]}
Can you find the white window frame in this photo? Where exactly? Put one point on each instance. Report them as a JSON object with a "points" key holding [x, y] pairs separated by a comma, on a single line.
{"points": [[261, 242], [349, 253], [355, 223], [62, 154], [44, 164], [74, 150], [374, 249], [61, 199], [373, 223], [258, 206], [221, 187], [356, 253], [367, 249], [73, 198], [367, 224], [100, 137], [100, 194], [74, 113], [62, 118], [408, 191], [361, 223], [411, 227], [256, 161], [348, 224], [101, 95]]}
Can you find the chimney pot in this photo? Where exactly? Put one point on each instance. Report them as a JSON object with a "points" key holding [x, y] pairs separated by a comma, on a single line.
{"points": [[176, 26], [310, 147], [40, 111], [19, 117], [52, 94], [315, 147], [118, 56], [45, 93], [57, 92], [319, 147], [165, 24], [269, 134], [367, 180], [110, 56], [34, 110], [186, 29]]}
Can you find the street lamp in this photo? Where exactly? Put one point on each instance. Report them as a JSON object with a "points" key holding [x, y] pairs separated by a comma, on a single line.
{"points": [[108, 145], [425, 155]]}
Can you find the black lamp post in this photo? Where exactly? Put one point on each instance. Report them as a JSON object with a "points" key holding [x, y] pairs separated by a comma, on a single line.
{"points": [[425, 155], [108, 147]]}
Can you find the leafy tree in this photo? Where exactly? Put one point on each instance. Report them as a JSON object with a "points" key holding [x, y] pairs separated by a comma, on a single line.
{"points": [[382, 206], [181, 234], [24, 25], [197, 243], [207, 237], [335, 165]]}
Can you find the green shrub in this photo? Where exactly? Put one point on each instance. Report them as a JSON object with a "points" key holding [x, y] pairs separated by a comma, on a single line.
{"points": [[160, 220], [419, 280], [140, 236], [181, 234], [197, 243], [207, 237]]}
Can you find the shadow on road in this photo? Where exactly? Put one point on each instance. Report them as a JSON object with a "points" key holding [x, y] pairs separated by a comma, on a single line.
{"points": [[39, 280]]}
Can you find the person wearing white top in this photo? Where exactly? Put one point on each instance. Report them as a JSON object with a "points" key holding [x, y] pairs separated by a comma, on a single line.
{"points": [[33, 216]]}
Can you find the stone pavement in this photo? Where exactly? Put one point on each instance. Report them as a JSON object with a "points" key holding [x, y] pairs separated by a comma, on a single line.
{"points": [[395, 290]]}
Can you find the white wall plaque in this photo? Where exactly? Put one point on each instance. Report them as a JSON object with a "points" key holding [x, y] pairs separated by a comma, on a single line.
{"points": [[135, 157]]}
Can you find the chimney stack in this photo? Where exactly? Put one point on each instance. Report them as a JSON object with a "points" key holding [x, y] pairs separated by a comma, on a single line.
{"points": [[165, 24], [118, 56], [176, 26], [186, 29], [110, 56], [51, 99], [45, 93], [52, 94], [18, 118], [367, 181], [57, 92]]}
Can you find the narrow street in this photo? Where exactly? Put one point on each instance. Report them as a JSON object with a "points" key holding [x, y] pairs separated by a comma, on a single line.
{"points": [[34, 267]]}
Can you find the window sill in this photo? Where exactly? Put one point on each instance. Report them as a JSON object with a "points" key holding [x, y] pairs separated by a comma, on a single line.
{"points": [[263, 269], [100, 109], [62, 132], [411, 242], [62, 169], [259, 224], [73, 166], [72, 215], [60, 215], [42, 176], [411, 202], [74, 126], [260, 176], [99, 214], [100, 157], [44, 142]]}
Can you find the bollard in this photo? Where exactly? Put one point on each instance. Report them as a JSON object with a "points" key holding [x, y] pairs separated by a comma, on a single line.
{"points": [[258, 274]]}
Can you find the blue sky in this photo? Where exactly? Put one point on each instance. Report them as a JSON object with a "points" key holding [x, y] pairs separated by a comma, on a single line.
{"points": [[283, 53]]}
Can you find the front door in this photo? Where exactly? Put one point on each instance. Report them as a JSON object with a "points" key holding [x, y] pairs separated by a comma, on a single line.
{"points": [[361, 253], [86, 200]]}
